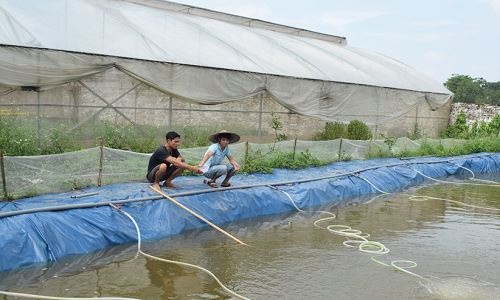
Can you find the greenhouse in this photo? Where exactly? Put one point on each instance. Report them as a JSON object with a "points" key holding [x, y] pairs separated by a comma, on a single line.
{"points": [[158, 62]]}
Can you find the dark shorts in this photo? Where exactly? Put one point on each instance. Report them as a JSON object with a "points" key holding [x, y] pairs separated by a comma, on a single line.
{"points": [[151, 175]]}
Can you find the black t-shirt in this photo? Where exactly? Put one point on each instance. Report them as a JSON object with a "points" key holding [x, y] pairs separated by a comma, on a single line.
{"points": [[160, 156]]}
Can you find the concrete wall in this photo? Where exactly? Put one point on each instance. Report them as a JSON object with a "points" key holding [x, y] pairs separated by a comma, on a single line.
{"points": [[134, 102], [474, 112]]}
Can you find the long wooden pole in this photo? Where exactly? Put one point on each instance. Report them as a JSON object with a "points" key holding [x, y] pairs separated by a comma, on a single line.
{"points": [[196, 215]]}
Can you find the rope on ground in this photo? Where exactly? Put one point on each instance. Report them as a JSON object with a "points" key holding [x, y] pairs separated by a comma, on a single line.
{"points": [[139, 250]]}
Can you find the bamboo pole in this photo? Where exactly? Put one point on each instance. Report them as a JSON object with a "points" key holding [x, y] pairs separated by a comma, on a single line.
{"points": [[340, 149], [2, 169], [246, 152], [101, 158], [294, 148], [196, 215]]}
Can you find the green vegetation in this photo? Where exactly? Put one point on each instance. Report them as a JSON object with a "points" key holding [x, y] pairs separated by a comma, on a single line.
{"points": [[256, 162], [479, 137], [277, 126], [469, 146], [473, 90], [18, 137], [461, 130], [355, 130], [332, 131]]}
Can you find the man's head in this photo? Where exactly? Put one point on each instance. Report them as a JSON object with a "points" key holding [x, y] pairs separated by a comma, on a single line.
{"points": [[173, 139]]}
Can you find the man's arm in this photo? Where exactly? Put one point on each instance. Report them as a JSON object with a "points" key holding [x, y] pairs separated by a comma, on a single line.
{"points": [[179, 163]]}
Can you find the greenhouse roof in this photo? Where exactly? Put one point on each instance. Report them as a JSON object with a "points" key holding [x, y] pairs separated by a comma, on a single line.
{"points": [[164, 31]]}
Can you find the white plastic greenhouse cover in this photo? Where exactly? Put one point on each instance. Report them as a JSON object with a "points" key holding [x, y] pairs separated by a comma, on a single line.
{"points": [[205, 57]]}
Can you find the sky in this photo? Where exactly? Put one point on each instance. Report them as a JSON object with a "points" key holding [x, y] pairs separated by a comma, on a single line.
{"points": [[437, 37]]}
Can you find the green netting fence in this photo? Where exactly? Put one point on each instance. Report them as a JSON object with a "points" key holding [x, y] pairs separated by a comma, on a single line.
{"points": [[24, 176]]}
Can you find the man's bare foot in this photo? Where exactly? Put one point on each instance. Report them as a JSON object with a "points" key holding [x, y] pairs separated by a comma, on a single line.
{"points": [[169, 185], [156, 186]]}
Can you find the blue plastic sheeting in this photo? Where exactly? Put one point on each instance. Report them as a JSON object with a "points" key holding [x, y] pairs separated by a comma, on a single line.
{"points": [[40, 237]]}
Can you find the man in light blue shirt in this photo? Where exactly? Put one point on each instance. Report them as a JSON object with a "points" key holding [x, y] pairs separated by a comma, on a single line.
{"points": [[211, 163]]}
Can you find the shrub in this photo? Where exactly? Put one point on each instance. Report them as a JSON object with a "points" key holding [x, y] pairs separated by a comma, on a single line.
{"points": [[460, 129], [357, 130], [277, 126], [58, 141], [494, 126], [256, 162], [16, 139], [332, 131]]}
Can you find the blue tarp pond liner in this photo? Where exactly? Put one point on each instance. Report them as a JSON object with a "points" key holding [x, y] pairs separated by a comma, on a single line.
{"points": [[46, 228]]}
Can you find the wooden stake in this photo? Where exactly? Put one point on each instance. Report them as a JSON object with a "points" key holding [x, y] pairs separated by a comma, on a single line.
{"points": [[246, 152], [340, 149], [101, 158], [2, 169], [195, 214], [294, 147]]}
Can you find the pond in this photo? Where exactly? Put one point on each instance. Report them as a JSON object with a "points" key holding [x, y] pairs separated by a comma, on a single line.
{"points": [[456, 249]]}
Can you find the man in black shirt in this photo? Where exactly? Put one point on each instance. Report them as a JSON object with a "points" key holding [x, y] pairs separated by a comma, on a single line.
{"points": [[166, 163]]}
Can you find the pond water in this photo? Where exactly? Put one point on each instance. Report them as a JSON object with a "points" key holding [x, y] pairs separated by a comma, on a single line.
{"points": [[456, 247]]}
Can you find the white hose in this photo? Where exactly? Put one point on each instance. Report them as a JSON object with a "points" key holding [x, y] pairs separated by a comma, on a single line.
{"points": [[376, 188], [426, 198], [459, 183], [174, 261], [356, 238], [32, 296]]}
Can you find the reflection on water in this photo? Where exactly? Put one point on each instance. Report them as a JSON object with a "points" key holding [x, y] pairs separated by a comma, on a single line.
{"points": [[456, 248], [461, 288]]}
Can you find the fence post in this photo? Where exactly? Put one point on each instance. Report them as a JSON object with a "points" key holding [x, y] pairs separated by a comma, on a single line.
{"points": [[246, 152], [101, 157], [294, 148], [260, 116], [2, 169], [340, 149]]}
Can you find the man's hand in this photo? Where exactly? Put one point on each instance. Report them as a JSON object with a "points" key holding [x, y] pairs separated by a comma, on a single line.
{"points": [[196, 170]]}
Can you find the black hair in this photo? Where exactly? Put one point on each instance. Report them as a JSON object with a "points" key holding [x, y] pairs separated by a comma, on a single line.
{"points": [[172, 135], [224, 135]]}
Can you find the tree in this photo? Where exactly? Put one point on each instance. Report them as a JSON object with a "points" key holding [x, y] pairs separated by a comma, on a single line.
{"points": [[466, 88], [492, 93]]}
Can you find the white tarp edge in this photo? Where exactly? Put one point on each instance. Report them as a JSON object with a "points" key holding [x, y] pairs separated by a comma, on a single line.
{"points": [[329, 101]]}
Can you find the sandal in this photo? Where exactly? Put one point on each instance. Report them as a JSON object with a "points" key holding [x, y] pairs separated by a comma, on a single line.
{"points": [[211, 184], [225, 184]]}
